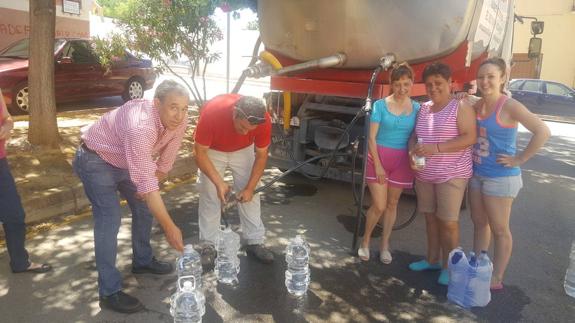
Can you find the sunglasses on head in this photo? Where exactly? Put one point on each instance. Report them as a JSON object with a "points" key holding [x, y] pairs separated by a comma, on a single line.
{"points": [[253, 120]]}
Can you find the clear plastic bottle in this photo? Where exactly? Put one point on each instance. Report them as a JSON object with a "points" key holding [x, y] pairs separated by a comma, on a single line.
{"points": [[419, 160], [188, 304], [569, 283], [190, 264], [297, 275], [227, 265], [457, 265]]}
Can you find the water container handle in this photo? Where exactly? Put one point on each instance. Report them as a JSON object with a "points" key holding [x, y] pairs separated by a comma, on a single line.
{"points": [[187, 277]]}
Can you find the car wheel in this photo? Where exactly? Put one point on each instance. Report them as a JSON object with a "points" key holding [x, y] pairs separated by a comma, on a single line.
{"points": [[20, 103], [134, 90]]}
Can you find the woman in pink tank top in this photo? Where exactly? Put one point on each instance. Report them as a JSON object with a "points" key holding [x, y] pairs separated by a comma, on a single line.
{"points": [[444, 133], [12, 214]]}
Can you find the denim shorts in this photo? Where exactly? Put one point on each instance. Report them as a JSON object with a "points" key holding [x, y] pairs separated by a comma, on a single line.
{"points": [[507, 186]]}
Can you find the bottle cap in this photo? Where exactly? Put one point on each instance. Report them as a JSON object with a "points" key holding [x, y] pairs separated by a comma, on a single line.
{"points": [[188, 285]]}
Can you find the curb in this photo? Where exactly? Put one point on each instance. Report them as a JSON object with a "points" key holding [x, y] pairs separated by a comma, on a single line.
{"points": [[71, 199]]}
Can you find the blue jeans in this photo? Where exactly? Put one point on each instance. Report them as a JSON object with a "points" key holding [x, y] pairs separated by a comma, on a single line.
{"points": [[102, 182], [12, 216]]}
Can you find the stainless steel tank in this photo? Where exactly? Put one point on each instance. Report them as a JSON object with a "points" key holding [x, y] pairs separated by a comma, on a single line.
{"points": [[365, 30]]}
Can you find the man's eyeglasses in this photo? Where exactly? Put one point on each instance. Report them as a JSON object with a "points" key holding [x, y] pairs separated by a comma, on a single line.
{"points": [[253, 120]]}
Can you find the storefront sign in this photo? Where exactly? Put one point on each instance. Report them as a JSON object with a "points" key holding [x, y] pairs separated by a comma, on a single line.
{"points": [[71, 6]]}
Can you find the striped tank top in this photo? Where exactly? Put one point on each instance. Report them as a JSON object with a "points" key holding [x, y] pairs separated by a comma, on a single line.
{"points": [[493, 139], [438, 127]]}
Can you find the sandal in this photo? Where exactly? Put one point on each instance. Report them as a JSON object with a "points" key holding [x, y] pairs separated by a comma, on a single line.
{"points": [[363, 254], [43, 268], [385, 257]]}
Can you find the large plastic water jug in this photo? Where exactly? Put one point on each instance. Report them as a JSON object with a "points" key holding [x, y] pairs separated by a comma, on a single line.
{"points": [[479, 282], [469, 278], [189, 264], [457, 266]]}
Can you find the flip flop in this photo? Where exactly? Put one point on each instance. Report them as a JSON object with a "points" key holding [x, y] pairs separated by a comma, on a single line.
{"points": [[43, 268], [363, 254], [385, 257]]}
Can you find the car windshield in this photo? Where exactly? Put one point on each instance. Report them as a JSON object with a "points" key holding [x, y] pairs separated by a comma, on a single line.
{"points": [[21, 48]]}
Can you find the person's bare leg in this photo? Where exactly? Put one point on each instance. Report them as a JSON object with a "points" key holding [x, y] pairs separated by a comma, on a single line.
{"points": [[389, 216], [481, 230], [499, 211], [449, 239], [378, 202], [433, 245]]}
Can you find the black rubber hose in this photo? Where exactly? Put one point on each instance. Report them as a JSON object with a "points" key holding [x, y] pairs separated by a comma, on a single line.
{"points": [[367, 110]]}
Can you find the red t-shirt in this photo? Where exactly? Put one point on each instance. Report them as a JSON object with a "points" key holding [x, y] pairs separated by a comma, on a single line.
{"points": [[216, 130]]}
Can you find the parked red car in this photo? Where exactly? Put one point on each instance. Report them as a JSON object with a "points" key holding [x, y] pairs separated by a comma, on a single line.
{"points": [[77, 74]]}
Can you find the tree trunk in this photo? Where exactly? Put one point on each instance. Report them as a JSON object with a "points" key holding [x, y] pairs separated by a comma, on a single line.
{"points": [[43, 128]]}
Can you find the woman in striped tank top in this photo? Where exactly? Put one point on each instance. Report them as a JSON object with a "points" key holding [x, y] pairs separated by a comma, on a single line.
{"points": [[497, 177], [444, 133]]}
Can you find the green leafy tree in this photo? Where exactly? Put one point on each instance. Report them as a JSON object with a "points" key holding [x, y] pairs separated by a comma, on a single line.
{"points": [[111, 7], [109, 50], [169, 29]]}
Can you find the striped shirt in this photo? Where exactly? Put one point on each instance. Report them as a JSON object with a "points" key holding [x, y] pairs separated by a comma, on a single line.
{"points": [[132, 137], [438, 127]]}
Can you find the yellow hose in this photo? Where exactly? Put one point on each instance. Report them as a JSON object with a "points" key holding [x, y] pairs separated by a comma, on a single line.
{"points": [[273, 61]]}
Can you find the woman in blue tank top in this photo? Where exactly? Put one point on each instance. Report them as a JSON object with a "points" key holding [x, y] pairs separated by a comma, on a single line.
{"points": [[496, 174], [388, 171]]}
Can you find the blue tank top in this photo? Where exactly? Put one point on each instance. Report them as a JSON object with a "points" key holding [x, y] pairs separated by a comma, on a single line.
{"points": [[394, 131], [494, 139]]}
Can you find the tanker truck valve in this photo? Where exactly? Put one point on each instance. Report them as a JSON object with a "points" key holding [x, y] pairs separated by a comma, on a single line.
{"points": [[386, 61], [259, 70]]}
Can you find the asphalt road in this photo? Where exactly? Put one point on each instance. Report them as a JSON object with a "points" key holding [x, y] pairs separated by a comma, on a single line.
{"points": [[342, 288]]}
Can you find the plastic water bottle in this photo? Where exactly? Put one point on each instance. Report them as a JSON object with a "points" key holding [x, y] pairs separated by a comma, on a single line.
{"points": [[190, 264], [478, 288], [227, 266], [569, 283], [297, 259], [188, 304], [458, 266], [419, 160]]}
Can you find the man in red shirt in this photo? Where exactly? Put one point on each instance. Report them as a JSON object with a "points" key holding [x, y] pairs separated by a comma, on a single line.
{"points": [[129, 150], [231, 127]]}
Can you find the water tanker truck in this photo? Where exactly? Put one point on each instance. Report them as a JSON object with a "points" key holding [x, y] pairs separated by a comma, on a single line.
{"points": [[321, 56]]}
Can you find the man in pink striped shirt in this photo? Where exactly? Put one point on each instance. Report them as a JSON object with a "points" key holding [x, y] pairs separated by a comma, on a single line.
{"points": [[129, 150]]}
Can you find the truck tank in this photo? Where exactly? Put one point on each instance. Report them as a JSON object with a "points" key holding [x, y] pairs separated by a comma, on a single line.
{"points": [[313, 103], [365, 30]]}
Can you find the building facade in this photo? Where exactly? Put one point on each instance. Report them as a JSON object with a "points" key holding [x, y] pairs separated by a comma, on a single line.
{"points": [[72, 19], [557, 62]]}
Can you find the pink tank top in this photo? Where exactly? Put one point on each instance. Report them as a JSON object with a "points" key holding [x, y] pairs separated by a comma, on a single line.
{"points": [[2, 142], [438, 127]]}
